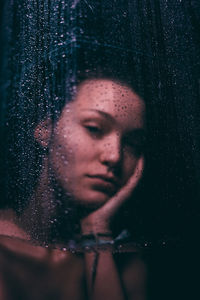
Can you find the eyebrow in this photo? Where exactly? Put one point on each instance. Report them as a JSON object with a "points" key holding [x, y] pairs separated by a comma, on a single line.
{"points": [[135, 131], [102, 113]]}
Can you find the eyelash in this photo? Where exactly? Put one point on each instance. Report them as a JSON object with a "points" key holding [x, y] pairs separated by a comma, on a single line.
{"points": [[94, 130], [133, 146]]}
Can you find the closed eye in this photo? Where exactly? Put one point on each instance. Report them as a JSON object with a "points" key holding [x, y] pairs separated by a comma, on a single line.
{"points": [[94, 130]]}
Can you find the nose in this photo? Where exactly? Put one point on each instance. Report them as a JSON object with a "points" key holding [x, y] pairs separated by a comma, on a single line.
{"points": [[111, 151]]}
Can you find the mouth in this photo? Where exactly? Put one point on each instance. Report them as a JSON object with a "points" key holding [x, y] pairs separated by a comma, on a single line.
{"points": [[104, 183], [106, 178]]}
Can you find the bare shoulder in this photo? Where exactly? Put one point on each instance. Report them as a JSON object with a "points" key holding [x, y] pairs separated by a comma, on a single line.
{"points": [[9, 225]]}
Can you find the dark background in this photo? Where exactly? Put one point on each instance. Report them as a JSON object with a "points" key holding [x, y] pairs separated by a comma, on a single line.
{"points": [[43, 46]]}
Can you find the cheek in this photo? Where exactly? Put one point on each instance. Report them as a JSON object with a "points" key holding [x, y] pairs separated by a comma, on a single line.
{"points": [[61, 154], [130, 162], [70, 153], [65, 143]]}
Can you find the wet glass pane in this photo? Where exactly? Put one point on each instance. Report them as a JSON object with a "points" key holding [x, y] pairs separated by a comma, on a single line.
{"points": [[99, 149]]}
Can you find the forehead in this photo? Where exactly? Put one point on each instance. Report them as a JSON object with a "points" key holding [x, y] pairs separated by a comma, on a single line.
{"points": [[108, 96], [112, 98]]}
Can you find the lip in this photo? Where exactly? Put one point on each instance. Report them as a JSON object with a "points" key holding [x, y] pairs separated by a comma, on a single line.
{"points": [[103, 184], [105, 178]]}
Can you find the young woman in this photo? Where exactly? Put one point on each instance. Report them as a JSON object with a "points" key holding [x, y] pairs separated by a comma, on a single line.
{"points": [[93, 162]]}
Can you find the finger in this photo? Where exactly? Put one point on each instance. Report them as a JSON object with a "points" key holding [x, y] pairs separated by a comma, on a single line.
{"points": [[117, 200]]}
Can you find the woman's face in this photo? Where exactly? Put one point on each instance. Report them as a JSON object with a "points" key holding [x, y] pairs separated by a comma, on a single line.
{"points": [[97, 141]]}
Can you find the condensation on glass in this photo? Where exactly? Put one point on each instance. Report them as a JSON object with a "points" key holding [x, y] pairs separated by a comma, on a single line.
{"points": [[93, 112]]}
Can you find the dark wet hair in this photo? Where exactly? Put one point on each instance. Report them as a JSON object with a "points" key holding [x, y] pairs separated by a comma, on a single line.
{"points": [[44, 95], [73, 66]]}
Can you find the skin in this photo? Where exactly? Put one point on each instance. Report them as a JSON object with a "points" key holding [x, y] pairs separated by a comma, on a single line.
{"points": [[98, 134], [95, 136]]}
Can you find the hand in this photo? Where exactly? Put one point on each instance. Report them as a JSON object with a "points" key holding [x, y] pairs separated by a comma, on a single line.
{"points": [[99, 220]]}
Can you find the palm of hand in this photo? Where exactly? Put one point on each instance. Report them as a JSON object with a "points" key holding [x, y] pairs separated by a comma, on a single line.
{"points": [[99, 220]]}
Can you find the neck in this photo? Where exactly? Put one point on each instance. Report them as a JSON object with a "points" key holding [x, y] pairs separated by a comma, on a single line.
{"points": [[50, 216]]}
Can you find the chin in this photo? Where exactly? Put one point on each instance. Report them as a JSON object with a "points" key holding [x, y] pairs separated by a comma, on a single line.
{"points": [[92, 198]]}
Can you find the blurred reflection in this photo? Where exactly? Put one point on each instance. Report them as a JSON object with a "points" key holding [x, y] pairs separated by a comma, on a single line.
{"points": [[92, 162]]}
